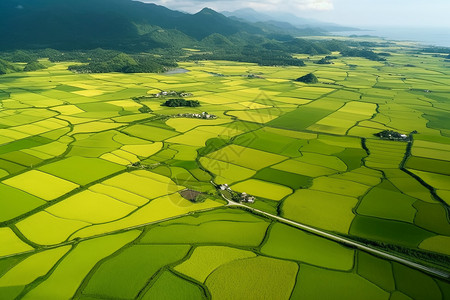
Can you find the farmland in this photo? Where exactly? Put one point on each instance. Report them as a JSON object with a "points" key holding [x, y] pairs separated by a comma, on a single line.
{"points": [[91, 208]]}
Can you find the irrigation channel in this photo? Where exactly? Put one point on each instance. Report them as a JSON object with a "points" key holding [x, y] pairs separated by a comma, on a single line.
{"points": [[439, 273]]}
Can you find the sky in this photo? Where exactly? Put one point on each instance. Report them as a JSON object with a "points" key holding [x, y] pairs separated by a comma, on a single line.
{"points": [[368, 13]]}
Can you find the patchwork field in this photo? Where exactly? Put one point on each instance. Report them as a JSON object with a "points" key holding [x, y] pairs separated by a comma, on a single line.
{"points": [[93, 189]]}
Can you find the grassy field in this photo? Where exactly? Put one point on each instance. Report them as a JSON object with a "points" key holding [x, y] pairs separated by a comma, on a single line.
{"points": [[91, 201]]}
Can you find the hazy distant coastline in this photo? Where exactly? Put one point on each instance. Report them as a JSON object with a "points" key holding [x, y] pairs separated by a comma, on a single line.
{"points": [[427, 36]]}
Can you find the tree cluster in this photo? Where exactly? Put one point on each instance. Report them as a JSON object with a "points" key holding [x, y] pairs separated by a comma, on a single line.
{"points": [[260, 56], [438, 50], [308, 78], [34, 66], [391, 135], [323, 61], [364, 53], [181, 102], [123, 63], [7, 67], [418, 254]]}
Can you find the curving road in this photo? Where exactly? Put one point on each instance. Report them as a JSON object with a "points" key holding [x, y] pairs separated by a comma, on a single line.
{"points": [[439, 273]]}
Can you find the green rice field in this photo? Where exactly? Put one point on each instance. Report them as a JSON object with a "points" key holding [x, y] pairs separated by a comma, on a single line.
{"points": [[92, 201]]}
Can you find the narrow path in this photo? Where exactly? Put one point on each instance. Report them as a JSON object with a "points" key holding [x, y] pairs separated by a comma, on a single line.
{"points": [[439, 273]]}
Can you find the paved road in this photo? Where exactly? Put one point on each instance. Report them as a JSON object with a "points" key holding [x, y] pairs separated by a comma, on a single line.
{"points": [[330, 236], [345, 241]]}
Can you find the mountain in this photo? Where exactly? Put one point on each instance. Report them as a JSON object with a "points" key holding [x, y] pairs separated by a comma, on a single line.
{"points": [[251, 15], [70, 24], [108, 27], [277, 27], [207, 21]]}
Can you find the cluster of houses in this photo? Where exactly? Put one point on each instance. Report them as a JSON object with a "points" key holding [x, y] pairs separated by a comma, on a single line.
{"points": [[171, 93], [138, 165], [245, 198], [392, 135], [203, 115], [251, 76], [242, 197]]}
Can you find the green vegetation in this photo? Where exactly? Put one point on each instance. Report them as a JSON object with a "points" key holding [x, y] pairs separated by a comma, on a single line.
{"points": [[294, 181], [170, 286], [7, 67], [119, 277], [308, 78], [34, 66], [67, 277], [326, 60], [392, 135], [301, 118], [290, 243], [251, 54], [253, 278], [181, 103], [123, 63], [376, 270], [352, 158], [82, 170], [233, 229], [92, 169], [390, 232], [22, 203], [375, 203], [325, 210], [363, 53], [314, 282], [416, 281], [205, 260]]}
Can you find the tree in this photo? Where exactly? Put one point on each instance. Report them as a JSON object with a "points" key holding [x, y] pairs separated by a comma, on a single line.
{"points": [[364, 53], [323, 61], [181, 102], [308, 78], [34, 66]]}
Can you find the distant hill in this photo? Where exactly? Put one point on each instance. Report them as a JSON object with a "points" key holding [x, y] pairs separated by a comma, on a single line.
{"points": [[95, 32], [251, 15], [7, 67], [70, 24]]}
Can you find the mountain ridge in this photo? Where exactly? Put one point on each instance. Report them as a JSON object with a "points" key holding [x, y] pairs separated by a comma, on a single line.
{"points": [[102, 23], [253, 16]]}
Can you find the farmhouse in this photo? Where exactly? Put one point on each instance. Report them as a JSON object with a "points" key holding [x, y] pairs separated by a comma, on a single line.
{"points": [[246, 198], [224, 187], [392, 135]]}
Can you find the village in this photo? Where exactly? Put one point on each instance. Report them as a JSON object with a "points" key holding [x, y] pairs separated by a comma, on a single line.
{"points": [[163, 94], [393, 136], [238, 197], [170, 93], [203, 115]]}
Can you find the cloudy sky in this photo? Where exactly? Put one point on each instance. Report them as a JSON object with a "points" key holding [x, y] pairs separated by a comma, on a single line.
{"points": [[407, 13]]}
